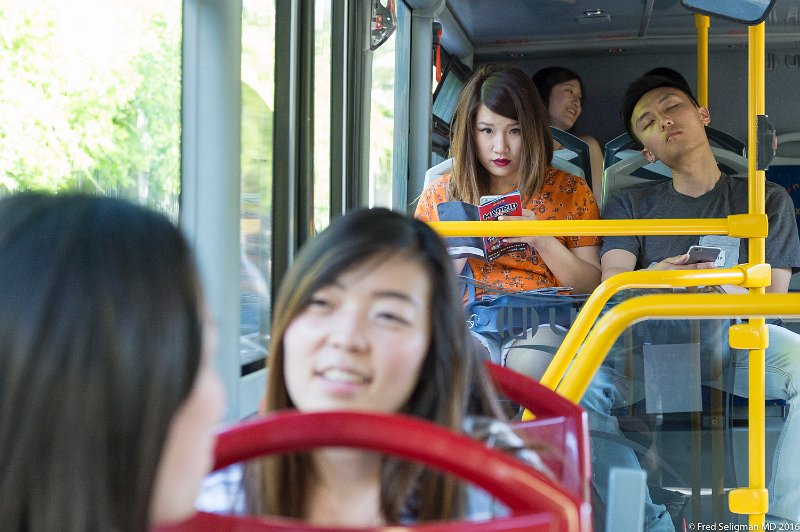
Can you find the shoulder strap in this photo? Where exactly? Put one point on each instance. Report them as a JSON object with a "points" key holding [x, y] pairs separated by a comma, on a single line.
{"points": [[469, 282]]}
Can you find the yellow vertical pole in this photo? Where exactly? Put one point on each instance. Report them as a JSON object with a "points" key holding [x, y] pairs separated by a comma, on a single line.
{"points": [[756, 205], [702, 22]]}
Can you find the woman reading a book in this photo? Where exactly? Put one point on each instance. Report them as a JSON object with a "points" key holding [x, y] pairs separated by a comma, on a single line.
{"points": [[501, 142]]}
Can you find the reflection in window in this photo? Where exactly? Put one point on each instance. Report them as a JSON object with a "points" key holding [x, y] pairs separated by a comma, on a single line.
{"points": [[381, 129], [90, 96], [258, 84]]}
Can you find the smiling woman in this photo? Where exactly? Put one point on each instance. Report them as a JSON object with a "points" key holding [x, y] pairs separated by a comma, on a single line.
{"points": [[378, 309], [562, 92], [354, 329]]}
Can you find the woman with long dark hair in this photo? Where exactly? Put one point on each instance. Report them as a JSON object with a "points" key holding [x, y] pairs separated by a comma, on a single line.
{"points": [[562, 93], [107, 397], [501, 142], [369, 318]]}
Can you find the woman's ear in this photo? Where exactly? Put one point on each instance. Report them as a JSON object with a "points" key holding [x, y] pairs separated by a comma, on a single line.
{"points": [[647, 154]]}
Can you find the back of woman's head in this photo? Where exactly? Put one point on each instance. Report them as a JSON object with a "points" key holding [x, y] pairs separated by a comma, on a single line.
{"points": [[509, 92], [548, 77], [100, 342]]}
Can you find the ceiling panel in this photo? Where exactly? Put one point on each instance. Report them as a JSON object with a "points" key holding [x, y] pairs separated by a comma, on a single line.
{"points": [[516, 28]]}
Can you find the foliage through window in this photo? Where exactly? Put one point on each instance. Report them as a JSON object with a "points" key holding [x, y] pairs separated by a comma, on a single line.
{"points": [[90, 97]]}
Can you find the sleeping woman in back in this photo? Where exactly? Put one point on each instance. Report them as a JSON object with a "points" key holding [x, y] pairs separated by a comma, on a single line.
{"points": [[369, 319]]}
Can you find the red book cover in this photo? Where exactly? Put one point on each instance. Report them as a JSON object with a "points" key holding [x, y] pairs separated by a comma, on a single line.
{"points": [[491, 208]]}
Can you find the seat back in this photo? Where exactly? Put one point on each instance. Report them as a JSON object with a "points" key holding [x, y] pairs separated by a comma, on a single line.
{"points": [[573, 159], [575, 152], [627, 171], [785, 171], [561, 427], [536, 503], [615, 148], [563, 160], [435, 172], [731, 154]]}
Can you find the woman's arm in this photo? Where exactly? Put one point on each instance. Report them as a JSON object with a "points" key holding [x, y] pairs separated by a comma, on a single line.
{"points": [[596, 163], [458, 264], [577, 267]]}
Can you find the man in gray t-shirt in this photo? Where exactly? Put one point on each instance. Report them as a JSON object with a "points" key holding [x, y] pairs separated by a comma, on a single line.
{"points": [[728, 196], [663, 116]]}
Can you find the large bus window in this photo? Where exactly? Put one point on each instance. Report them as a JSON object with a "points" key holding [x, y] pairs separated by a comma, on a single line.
{"points": [[381, 128], [90, 99], [322, 113], [258, 84]]}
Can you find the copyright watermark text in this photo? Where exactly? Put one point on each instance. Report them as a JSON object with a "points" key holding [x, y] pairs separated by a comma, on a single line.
{"points": [[734, 526]]}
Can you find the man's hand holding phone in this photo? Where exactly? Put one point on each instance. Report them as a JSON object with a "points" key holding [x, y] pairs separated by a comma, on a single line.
{"points": [[698, 254], [697, 258]]}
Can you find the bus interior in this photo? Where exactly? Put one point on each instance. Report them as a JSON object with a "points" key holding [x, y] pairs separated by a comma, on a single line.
{"points": [[312, 108]]}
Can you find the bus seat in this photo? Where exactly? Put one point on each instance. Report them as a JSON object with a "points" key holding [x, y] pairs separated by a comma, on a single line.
{"points": [[716, 137], [785, 171], [536, 503], [729, 150], [563, 160], [435, 172], [573, 159], [559, 425], [626, 172]]}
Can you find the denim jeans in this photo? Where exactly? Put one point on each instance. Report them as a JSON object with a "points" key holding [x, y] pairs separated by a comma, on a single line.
{"points": [[611, 389]]}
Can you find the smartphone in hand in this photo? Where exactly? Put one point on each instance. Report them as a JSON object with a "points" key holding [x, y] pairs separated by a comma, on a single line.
{"points": [[703, 254]]}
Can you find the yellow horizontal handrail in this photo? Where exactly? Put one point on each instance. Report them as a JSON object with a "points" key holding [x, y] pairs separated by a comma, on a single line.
{"points": [[634, 310], [623, 281], [735, 225]]}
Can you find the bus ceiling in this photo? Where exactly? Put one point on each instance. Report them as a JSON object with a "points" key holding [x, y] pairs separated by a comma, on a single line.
{"points": [[547, 28]]}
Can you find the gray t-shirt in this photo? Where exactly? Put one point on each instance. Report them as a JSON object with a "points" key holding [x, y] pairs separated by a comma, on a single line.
{"points": [[729, 196]]}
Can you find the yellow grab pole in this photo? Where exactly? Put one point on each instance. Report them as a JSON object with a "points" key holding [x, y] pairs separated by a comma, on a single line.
{"points": [[755, 107], [634, 310], [737, 225], [748, 501], [744, 274], [702, 22], [635, 279]]}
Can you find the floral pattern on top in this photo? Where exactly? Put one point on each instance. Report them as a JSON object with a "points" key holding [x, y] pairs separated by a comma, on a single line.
{"points": [[563, 197]]}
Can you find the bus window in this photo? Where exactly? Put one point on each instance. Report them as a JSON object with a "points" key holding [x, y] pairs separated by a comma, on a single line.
{"points": [[381, 127], [90, 99], [258, 85], [322, 113]]}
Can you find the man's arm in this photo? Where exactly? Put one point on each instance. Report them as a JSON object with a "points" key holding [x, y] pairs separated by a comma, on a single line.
{"points": [[616, 261], [780, 281]]}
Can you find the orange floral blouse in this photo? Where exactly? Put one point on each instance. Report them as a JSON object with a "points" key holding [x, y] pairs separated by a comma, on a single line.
{"points": [[563, 197]]}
